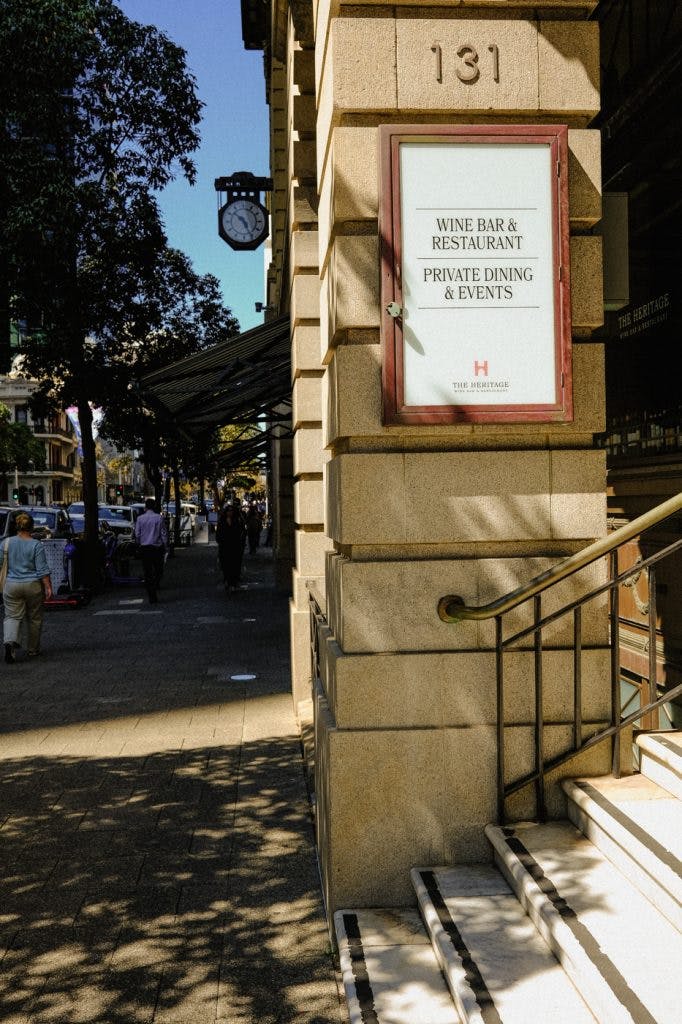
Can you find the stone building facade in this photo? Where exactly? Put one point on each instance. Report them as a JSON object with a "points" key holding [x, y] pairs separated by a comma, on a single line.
{"points": [[387, 518], [59, 481]]}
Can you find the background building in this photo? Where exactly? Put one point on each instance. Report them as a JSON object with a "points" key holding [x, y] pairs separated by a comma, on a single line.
{"points": [[641, 123], [60, 480]]}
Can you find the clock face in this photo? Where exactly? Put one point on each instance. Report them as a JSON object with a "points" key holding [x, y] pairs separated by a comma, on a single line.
{"points": [[244, 222]]}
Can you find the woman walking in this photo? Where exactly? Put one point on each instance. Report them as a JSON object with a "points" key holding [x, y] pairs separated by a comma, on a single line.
{"points": [[27, 584], [230, 535]]}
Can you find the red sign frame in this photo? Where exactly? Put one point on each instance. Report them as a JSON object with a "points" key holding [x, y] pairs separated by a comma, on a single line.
{"points": [[395, 410]]}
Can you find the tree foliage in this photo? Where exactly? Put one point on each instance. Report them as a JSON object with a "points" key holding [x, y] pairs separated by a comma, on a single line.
{"points": [[98, 113], [19, 447], [227, 472], [181, 314], [83, 236]]}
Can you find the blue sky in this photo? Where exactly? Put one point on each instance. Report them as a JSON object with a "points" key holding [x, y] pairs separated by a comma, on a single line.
{"points": [[234, 134]]}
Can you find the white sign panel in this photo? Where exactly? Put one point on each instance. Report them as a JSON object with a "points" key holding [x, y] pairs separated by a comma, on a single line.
{"points": [[476, 273]]}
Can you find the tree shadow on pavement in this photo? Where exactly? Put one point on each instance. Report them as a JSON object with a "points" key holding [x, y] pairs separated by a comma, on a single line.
{"points": [[178, 886]]}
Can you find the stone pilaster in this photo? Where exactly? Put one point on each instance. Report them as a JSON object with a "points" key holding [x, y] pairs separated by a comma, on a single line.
{"points": [[405, 710], [310, 542]]}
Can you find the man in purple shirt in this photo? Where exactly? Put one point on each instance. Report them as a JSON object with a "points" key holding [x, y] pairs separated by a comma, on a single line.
{"points": [[152, 537]]}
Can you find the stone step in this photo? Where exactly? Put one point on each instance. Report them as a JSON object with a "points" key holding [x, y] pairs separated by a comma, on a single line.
{"points": [[661, 759], [497, 967], [390, 971], [620, 952], [638, 826]]}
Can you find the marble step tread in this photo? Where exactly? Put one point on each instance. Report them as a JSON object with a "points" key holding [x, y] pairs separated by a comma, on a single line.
{"points": [[638, 826], [661, 759], [498, 968], [620, 952], [390, 971]]}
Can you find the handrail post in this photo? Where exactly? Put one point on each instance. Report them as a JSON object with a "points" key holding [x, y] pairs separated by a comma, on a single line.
{"points": [[577, 678], [453, 609], [499, 675], [615, 661], [314, 640], [539, 714], [653, 668]]}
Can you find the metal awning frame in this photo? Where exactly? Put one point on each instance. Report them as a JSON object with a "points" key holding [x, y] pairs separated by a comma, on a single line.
{"points": [[242, 380]]}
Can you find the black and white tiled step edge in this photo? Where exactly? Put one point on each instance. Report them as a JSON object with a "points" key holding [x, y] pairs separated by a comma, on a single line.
{"points": [[620, 952], [390, 972], [638, 826], [497, 967], [661, 759]]}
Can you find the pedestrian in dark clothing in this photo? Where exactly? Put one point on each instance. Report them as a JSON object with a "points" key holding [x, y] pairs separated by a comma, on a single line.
{"points": [[152, 537], [230, 534], [254, 525]]}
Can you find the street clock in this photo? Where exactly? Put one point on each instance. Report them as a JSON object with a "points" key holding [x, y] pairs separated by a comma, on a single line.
{"points": [[243, 220]]}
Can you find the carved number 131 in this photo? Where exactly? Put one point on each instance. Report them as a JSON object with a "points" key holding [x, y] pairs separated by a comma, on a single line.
{"points": [[467, 68]]}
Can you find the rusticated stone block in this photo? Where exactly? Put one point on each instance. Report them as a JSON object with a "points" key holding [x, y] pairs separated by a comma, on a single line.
{"points": [[587, 289], [484, 65], [568, 58], [307, 406]]}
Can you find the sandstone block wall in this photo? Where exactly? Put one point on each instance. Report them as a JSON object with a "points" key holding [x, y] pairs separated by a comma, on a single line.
{"points": [[405, 707]]}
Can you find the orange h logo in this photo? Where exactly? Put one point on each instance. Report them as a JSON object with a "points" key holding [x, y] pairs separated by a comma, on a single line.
{"points": [[481, 368]]}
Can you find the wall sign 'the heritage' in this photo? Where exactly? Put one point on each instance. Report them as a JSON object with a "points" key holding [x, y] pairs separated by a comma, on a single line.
{"points": [[475, 274]]}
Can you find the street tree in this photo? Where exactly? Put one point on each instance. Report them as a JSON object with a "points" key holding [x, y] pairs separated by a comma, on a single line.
{"points": [[81, 232], [20, 449], [178, 314], [230, 471]]}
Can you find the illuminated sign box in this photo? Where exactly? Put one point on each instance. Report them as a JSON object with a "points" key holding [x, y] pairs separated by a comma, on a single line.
{"points": [[475, 274]]}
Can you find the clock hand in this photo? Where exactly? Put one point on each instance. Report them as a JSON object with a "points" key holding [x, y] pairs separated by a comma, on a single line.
{"points": [[244, 221]]}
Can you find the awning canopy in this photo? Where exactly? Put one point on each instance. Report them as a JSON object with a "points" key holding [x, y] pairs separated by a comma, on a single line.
{"points": [[246, 449], [243, 380]]}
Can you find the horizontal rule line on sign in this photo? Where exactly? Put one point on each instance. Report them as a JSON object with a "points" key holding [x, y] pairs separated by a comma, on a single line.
{"points": [[478, 307], [468, 259], [491, 209]]}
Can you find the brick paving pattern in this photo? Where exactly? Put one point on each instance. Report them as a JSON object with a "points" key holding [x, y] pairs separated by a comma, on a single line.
{"points": [[156, 847]]}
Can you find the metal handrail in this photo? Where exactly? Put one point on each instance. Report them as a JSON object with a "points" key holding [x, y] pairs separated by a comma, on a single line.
{"points": [[452, 608]]}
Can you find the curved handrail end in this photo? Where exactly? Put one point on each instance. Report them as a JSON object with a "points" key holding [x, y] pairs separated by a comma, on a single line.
{"points": [[448, 608]]}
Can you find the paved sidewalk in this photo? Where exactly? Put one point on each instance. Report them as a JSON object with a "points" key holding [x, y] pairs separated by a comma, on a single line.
{"points": [[156, 848]]}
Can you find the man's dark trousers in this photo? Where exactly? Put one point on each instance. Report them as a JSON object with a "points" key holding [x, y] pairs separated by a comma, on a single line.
{"points": [[152, 556]]}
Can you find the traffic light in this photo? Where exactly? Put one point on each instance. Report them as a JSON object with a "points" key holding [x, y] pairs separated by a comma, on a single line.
{"points": [[15, 494], [119, 490]]}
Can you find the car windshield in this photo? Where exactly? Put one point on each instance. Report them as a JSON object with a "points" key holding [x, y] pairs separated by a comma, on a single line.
{"points": [[48, 519], [116, 514]]}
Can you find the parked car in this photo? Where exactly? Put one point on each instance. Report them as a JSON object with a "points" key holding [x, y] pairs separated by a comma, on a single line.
{"points": [[120, 519], [77, 524], [49, 521]]}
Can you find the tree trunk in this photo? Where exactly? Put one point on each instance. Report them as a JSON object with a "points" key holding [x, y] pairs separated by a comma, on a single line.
{"points": [[153, 471], [178, 502], [202, 491], [90, 565]]}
